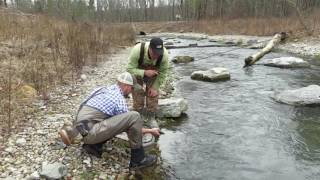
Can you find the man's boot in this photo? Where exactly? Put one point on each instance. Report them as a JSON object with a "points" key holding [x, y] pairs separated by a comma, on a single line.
{"points": [[68, 134], [94, 149], [140, 160], [152, 122]]}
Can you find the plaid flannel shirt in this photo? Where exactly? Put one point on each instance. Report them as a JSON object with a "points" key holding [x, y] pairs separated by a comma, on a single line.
{"points": [[109, 100]]}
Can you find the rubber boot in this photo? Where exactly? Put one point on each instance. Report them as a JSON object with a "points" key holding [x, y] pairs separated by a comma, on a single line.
{"points": [[68, 134], [140, 160], [94, 149]]}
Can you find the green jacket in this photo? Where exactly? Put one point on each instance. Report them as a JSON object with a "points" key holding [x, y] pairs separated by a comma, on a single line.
{"points": [[134, 63]]}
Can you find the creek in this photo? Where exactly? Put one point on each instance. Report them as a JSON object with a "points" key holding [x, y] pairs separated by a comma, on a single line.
{"points": [[234, 129]]}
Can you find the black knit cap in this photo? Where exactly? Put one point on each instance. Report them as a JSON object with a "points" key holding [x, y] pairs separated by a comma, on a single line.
{"points": [[156, 44]]}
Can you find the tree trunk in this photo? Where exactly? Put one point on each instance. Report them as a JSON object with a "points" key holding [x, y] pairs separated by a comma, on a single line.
{"points": [[274, 41]]}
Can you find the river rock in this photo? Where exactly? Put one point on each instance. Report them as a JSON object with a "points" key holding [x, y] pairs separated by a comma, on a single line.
{"points": [[309, 95], [34, 176], [172, 107], [287, 62], [182, 59], [83, 77], [212, 75], [10, 150], [21, 142], [53, 171], [191, 36]]}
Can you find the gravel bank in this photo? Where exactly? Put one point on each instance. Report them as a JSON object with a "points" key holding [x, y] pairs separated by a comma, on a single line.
{"points": [[38, 144]]}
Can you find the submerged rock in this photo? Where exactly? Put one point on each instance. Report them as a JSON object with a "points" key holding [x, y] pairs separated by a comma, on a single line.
{"points": [[212, 75], [182, 59], [287, 62], [192, 36], [172, 107], [309, 95]]}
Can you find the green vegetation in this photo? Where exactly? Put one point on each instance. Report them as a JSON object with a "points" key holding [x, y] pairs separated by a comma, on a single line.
{"points": [[86, 175]]}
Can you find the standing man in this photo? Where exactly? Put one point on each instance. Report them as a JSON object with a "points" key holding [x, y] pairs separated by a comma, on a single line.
{"points": [[103, 115], [148, 62]]}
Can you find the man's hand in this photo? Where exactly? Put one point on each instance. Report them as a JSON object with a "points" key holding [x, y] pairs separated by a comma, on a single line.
{"points": [[152, 92], [150, 73], [154, 131]]}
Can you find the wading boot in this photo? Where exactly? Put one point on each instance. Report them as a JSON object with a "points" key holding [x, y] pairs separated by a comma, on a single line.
{"points": [[68, 134], [139, 160], [93, 149]]}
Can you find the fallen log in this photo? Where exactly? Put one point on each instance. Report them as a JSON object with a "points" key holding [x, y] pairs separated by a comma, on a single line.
{"points": [[273, 42]]}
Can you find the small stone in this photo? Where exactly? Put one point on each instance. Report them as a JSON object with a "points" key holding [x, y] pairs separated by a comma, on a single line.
{"points": [[87, 162], [21, 142], [10, 150], [35, 175], [3, 175], [103, 176], [83, 77], [108, 147]]}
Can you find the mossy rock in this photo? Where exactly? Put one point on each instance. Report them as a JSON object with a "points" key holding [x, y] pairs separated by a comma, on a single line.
{"points": [[182, 59]]}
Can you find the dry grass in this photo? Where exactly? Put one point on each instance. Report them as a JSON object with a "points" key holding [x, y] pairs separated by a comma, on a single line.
{"points": [[43, 52]]}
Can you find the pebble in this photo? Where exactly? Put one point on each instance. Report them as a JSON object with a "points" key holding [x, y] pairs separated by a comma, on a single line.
{"points": [[10, 150], [21, 142]]}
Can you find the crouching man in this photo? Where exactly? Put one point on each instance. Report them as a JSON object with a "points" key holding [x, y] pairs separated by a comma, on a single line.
{"points": [[103, 115]]}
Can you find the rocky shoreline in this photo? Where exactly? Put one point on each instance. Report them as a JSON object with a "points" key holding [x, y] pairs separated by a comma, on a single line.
{"points": [[38, 145]]}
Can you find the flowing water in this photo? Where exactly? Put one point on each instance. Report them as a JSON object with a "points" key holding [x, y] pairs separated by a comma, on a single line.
{"points": [[233, 129]]}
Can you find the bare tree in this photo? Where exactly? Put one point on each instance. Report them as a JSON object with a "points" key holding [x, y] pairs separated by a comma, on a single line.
{"points": [[4, 2]]}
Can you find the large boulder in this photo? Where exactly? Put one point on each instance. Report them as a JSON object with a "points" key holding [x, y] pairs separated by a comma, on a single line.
{"points": [[287, 62], [172, 107], [309, 95], [212, 75], [182, 59]]}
